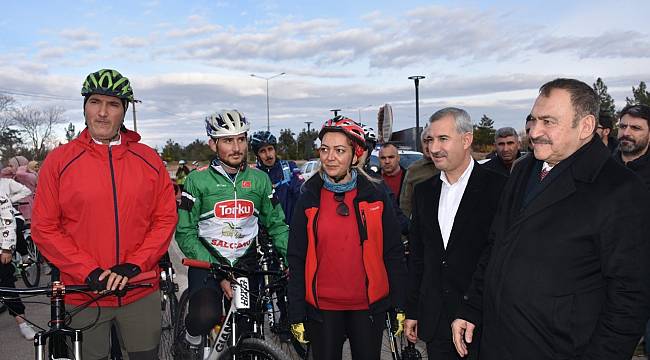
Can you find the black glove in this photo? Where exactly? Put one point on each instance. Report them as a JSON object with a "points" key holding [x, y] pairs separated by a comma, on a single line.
{"points": [[126, 269], [93, 280]]}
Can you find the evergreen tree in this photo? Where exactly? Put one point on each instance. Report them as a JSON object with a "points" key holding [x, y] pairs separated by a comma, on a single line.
{"points": [[484, 133], [606, 100], [306, 142], [641, 96], [287, 145]]}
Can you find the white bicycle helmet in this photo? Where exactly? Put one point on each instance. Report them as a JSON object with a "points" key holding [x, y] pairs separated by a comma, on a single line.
{"points": [[226, 123]]}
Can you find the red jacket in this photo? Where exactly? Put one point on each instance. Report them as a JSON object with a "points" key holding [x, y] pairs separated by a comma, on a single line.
{"points": [[98, 206], [382, 250]]}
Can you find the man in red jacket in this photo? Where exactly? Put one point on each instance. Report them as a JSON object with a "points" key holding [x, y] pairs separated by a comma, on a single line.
{"points": [[105, 211]]}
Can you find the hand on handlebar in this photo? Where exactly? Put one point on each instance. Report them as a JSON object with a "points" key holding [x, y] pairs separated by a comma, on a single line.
{"points": [[227, 289]]}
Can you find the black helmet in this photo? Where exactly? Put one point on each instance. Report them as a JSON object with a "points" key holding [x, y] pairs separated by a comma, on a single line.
{"points": [[260, 139]]}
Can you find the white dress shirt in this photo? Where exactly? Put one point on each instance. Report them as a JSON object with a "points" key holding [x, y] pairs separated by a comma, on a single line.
{"points": [[450, 197]]}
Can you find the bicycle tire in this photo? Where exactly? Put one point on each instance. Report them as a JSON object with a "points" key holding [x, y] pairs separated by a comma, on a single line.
{"points": [[180, 349], [254, 348], [31, 274], [3, 308], [168, 326]]}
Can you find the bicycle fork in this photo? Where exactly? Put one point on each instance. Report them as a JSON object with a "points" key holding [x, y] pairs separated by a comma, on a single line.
{"points": [[58, 332]]}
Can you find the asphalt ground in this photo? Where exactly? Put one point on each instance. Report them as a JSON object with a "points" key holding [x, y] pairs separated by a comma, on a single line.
{"points": [[14, 347]]}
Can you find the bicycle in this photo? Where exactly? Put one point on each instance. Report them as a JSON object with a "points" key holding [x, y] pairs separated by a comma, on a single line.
{"points": [[59, 330], [400, 347], [30, 264], [168, 307], [276, 293], [246, 306]]}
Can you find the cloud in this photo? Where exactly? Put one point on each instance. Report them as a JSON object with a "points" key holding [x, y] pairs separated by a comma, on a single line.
{"points": [[192, 31], [611, 44], [131, 42], [78, 34], [52, 52]]}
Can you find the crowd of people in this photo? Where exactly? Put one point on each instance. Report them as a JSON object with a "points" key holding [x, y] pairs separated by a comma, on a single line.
{"points": [[540, 256]]}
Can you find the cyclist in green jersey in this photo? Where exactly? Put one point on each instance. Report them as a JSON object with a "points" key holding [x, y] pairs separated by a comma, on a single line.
{"points": [[218, 218]]}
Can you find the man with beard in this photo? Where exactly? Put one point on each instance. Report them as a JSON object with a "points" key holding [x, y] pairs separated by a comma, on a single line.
{"points": [[633, 137], [219, 216], [506, 142], [285, 175]]}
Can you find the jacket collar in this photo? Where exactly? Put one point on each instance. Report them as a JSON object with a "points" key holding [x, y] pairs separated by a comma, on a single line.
{"points": [[365, 187], [636, 164]]}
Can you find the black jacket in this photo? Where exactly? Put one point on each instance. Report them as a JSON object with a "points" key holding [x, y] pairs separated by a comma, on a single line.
{"points": [[439, 277], [568, 275], [496, 164], [640, 166], [383, 223]]}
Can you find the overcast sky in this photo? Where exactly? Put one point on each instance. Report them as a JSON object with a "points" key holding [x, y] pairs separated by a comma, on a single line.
{"points": [[186, 59]]}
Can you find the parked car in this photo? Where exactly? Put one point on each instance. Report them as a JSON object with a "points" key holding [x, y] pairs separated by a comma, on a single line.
{"points": [[406, 158], [309, 168]]}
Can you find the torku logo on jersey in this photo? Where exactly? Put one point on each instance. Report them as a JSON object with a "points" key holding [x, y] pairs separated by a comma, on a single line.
{"points": [[231, 209]]}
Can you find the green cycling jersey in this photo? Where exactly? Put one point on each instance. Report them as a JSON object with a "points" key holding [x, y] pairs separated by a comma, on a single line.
{"points": [[219, 214]]}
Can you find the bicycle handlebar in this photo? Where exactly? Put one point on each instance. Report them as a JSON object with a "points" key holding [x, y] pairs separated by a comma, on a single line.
{"points": [[226, 268], [136, 282]]}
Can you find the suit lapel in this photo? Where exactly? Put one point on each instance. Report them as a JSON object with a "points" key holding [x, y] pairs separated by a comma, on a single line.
{"points": [[560, 188], [467, 204], [434, 202]]}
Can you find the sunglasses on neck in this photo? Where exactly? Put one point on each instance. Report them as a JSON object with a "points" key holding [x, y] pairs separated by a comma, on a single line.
{"points": [[342, 209]]}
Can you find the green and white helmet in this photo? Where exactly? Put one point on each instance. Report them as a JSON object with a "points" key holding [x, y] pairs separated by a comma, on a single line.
{"points": [[108, 82], [226, 123]]}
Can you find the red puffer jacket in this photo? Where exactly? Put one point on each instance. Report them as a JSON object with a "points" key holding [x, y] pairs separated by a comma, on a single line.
{"points": [[98, 206]]}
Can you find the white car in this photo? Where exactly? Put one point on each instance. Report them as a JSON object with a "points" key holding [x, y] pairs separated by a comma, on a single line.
{"points": [[309, 168], [406, 158]]}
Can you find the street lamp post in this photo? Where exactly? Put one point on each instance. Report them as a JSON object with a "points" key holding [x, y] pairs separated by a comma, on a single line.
{"points": [[135, 126], [268, 115], [416, 79], [336, 112]]}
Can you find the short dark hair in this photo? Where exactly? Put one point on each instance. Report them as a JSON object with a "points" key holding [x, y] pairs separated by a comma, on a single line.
{"points": [[584, 99], [389, 144], [605, 120], [529, 118], [505, 132], [637, 110]]}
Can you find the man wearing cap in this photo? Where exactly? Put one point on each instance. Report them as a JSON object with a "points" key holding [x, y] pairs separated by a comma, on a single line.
{"points": [[285, 175], [105, 212]]}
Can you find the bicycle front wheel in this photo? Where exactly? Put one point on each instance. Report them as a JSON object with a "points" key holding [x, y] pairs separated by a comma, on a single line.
{"points": [[169, 304], [30, 270], [254, 348]]}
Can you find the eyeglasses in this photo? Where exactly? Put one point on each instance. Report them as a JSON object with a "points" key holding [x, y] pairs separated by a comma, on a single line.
{"points": [[342, 209]]}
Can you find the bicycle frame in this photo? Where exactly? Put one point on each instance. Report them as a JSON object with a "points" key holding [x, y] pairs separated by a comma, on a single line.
{"points": [[57, 325], [241, 300], [57, 306]]}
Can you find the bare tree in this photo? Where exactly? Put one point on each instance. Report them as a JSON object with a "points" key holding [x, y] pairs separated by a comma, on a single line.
{"points": [[7, 104], [37, 126]]}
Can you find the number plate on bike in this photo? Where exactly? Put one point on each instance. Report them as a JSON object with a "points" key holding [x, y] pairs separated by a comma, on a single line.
{"points": [[241, 293]]}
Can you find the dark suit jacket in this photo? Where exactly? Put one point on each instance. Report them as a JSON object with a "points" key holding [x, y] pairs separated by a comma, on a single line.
{"points": [[439, 277], [567, 277]]}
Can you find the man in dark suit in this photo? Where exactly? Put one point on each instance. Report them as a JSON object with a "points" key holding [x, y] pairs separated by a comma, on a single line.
{"points": [[567, 276], [451, 218]]}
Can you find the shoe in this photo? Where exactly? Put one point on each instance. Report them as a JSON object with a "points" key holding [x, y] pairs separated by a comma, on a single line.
{"points": [[27, 331], [193, 340]]}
